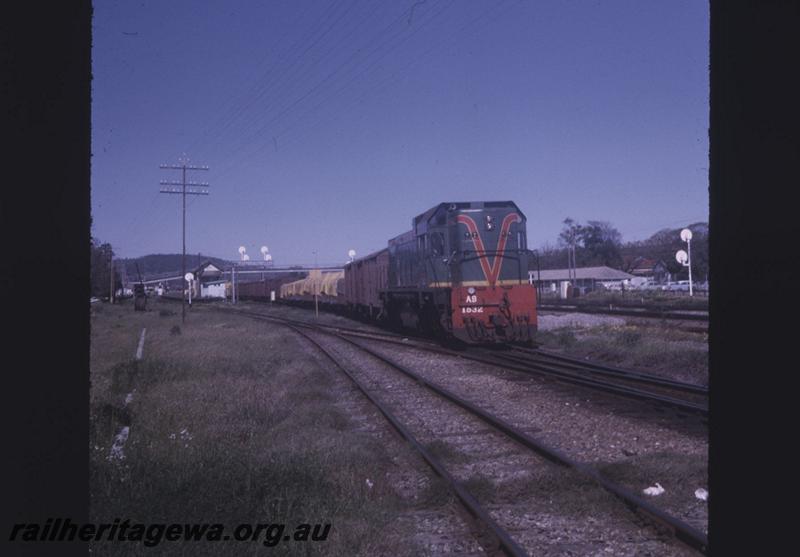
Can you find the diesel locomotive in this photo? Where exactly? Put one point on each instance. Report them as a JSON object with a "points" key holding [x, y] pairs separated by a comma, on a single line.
{"points": [[461, 271]]}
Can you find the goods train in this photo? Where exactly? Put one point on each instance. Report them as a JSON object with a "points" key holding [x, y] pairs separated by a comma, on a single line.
{"points": [[461, 271]]}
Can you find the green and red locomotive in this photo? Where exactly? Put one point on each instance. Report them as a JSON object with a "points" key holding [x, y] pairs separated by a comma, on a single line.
{"points": [[461, 271]]}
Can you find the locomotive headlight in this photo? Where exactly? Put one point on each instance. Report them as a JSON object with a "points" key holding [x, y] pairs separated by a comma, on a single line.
{"points": [[471, 290]]}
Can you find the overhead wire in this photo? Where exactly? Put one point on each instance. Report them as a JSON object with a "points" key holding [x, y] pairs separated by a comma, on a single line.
{"points": [[285, 63], [393, 77], [386, 81], [329, 52], [235, 105], [253, 138], [248, 139]]}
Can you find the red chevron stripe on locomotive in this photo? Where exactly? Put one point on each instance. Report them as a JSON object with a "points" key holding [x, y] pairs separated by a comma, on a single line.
{"points": [[491, 273]]}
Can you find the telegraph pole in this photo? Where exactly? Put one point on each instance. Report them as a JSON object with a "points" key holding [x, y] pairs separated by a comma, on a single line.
{"points": [[183, 167], [316, 287], [111, 280]]}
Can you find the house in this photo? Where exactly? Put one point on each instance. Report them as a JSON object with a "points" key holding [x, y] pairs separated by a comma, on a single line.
{"points": [[655, 270], [586, 279], [208, 281]]}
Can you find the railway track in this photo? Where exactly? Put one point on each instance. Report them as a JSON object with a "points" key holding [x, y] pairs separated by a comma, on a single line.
{"points": [[680, 315], [503, 445], [611, 371], [502, 537], [683, 397]]}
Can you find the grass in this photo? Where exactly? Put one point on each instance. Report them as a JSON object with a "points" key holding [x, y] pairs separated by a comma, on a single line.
{"points": [[679, 474], [230, 421], [655, 299], [559, 490], [657, 349]]}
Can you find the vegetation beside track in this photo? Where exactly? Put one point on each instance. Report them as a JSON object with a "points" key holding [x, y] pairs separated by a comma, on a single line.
{"points": [[231, 423], [662, 350], [651, 299]]}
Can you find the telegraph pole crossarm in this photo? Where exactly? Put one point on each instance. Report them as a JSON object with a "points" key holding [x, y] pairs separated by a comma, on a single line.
{"points": [[183, 191]]}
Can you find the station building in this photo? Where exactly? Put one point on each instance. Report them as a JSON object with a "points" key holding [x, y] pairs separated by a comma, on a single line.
{"points": [[586, 279]]}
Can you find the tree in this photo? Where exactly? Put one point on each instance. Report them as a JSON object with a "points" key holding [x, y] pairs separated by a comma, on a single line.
{"points": [[570, 233], [570, 237], [100, 269], [664, 243], [601, 243]]}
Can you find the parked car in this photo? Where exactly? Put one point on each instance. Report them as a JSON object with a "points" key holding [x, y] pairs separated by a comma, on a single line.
{"points": [[680, 286]]}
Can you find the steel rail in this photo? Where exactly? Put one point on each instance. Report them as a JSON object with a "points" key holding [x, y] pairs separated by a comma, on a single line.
{"points": [[649, 313], [577, 379], [528, 367], [507, 544], [611, 371], [682, 531]]}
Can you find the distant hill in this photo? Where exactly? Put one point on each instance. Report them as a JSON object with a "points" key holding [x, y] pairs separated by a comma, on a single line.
{"points": [[671, 236], [663, 244], [167, 264]]}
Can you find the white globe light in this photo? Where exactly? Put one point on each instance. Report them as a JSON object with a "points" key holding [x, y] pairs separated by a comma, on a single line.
{"points": [[681, 256], [686, 234], [189, 277], [268, 257], [351, 253], [264, 249], [242, 249], [245, 257]]}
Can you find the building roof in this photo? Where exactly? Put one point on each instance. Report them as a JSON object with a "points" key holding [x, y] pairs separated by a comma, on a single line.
{"points": [[645, 266], [596, 273], [206, 267]]}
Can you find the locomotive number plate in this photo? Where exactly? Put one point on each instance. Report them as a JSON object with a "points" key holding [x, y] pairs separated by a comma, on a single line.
{"points": [[476, 309]]}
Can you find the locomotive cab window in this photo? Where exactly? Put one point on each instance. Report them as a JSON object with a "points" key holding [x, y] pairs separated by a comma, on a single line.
{"points": [[437, 243]]}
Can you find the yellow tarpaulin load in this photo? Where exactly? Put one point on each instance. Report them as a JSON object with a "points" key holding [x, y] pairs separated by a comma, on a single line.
{"points": [[322, 283]]}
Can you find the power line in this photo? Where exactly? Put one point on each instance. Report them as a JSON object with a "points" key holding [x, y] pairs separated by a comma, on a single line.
{"points": [[381, 85], [366, 70], [264, 84], [386, 42], [234, 106]]}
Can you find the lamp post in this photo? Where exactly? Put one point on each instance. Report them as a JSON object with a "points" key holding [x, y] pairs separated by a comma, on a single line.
{"points": [[685, 258], [190, 279], [242, 257], [538, 284], [233, 283]]}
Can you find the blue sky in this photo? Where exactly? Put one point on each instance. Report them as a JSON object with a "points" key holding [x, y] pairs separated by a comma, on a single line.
{"points": [[328, 124]]}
